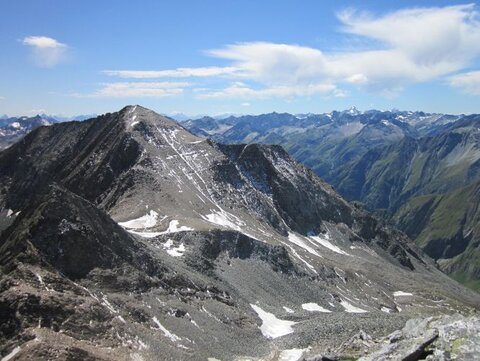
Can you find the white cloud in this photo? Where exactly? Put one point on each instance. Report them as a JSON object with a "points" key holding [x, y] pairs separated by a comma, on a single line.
{"points": [[424, 35], [339, 93], [2, 98], [467, 82], [357, 79], [174, 73], [138, 89], [240, 90], [47, 51], [36, 111], [405, 47]]}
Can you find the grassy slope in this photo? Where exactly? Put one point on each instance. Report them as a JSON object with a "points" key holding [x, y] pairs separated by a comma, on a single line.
{"points": [[447, 220]]}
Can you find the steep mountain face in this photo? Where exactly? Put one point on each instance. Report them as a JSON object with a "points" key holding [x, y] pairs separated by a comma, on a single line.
{"points": [[13, 129], [126, 236]]}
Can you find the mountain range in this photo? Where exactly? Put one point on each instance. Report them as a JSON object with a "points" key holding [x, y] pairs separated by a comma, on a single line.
{"points": [[12, 129], [418, 171], [128, 237]]}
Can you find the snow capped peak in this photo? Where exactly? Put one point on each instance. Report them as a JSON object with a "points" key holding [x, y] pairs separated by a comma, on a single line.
{"points": [[15, 125], [304, 115], [353, 111]]}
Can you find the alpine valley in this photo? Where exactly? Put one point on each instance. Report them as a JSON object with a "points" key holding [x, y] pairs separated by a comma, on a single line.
{"points": [[127, 237]]}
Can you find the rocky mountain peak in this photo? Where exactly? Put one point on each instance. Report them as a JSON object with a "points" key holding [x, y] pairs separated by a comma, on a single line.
{"points": [[136, 114]]}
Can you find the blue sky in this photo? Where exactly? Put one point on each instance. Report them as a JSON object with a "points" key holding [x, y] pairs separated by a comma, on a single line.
{"points": [[213, 57]]}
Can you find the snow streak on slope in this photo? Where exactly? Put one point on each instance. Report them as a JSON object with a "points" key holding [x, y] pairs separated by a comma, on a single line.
{"points": [[167, 333], [323, 240], [401, 293], [225, 219], [292, 237], [12, 354]]}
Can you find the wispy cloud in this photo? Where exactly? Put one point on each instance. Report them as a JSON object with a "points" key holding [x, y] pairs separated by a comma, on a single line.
{"points": [[47, 51], [467, 82], [2, 98], [138, 89], [405, 47], [36, 111], [174, 73], [241, 90]]}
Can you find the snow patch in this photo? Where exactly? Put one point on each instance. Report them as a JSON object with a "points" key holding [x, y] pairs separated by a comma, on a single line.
{"points": [[11, 354], [401, 293], [174, 251], [170, 335], [386, 309], [341, 274], [225, 219], [351, 308], [211, 315], [273, 327], [294, 354], [292, 237], [108, 305], [299, 257], [288, 310], [146, 234], [173, 227], [324, 241], [147, 221], [40, 279], [314, 307], [133, 122]]}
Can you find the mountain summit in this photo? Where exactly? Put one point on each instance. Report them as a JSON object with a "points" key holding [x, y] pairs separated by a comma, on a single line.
{"points": [[127, 237]]}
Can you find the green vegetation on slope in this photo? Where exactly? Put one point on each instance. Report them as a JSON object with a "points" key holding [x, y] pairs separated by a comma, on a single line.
{"points": [[447, 227]]}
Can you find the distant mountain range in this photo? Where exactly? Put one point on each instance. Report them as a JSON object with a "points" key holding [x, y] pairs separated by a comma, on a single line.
{"points": [[403, 165], [13, 129], [127, 237]]}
